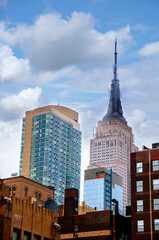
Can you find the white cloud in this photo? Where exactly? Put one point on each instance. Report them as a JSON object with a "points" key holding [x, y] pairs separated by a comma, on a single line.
{"points": [[10, 138], [14, 106], [69, 42], [12, 110], [149, 49], [13, 35], [63, 43], [12, 69]]}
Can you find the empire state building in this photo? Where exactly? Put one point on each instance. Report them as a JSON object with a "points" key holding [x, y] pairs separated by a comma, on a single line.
{"points": [[113, 140]]}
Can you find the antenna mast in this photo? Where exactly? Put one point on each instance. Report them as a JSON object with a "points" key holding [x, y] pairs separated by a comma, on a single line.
{"points": [[115, 60]]}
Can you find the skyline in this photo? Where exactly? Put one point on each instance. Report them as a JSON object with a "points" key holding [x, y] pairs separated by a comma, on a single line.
{"points": [[53, 53]]}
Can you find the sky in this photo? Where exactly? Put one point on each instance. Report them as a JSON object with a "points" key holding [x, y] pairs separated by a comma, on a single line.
{"points": [[62, 51]]}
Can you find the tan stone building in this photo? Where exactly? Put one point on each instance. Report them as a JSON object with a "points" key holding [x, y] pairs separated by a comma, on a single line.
{"points": [[83, 208], [113, 140]]}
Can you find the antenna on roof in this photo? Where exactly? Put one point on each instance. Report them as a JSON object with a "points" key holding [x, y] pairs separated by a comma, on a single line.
{"points": [[115, 60]]}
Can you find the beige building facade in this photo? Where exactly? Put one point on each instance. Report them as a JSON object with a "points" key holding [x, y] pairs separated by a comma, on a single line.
{"points": [[113, 140], [111, 148]]}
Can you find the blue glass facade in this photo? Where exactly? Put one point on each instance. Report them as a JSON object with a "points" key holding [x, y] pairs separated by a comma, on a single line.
{"points": [[100, 189], [55, 158], [22, 146], [97, 192], [117, 193]]}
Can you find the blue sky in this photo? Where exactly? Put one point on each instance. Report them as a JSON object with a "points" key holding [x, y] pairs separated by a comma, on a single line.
{"points": [[63, 50]]}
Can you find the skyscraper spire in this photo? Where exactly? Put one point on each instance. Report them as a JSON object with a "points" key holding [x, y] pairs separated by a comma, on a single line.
{"points": [[115, 60], [114, 107]]}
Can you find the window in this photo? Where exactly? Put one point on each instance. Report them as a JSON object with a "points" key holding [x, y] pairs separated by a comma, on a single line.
{"points": [[155, 165], [39, 195], [139, 167], [37, 237], [139, 186], [156, 224], [26, 192], [14, 189], [155, 184], [36, 194], [156, 204], [140, 225], [16, 234], [139, 205], [27, 236]]}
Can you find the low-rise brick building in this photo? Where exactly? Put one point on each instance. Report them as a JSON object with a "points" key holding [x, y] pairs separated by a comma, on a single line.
{"points": [[21, 219], [29, 190], [97, 225]]}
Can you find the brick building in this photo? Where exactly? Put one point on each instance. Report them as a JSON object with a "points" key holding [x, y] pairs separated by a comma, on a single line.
{"points": [[21, 219], [97, 225], [145, 194], [29, 190]]}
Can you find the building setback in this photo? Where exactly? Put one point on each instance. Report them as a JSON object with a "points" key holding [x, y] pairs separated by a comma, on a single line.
{"points": [[100, 187], [51, 148], [113, 140], [145, 194]]}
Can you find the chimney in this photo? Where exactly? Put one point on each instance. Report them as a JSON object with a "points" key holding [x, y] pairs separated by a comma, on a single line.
{"points": [[71, 202]]}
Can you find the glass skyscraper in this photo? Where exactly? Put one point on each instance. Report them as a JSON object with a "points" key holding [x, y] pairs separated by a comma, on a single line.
{"points": [[51, 148]]}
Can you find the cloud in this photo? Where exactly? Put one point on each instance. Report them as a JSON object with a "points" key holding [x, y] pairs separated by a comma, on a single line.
{"points": [[138, 119], [10, 138], [12, 69], [12, 110], [63, 43], [14, 35], [14, 106], [69, 42], [149, 49]]}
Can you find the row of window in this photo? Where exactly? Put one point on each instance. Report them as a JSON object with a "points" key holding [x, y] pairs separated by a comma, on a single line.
{"points": [[140, 225], [12, 192], [155, 166], [140, 205], [139, 185]]}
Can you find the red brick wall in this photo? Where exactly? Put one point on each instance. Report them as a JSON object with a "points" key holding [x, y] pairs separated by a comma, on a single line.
{"points": [[143, 156]]}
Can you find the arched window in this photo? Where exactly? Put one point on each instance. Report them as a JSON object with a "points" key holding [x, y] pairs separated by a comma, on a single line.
{"points": [[10, 190], [36, 194], [13, 191], [26, 192], [39, 195]]}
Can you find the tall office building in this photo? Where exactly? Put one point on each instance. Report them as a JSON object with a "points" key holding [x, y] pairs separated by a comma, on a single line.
{"points": [[100, 187], [51, 148], [113, 140]]}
